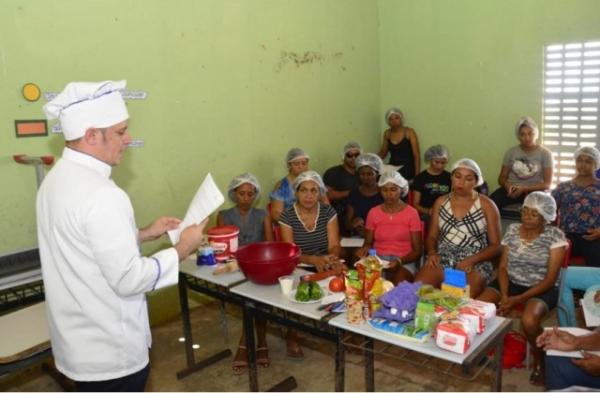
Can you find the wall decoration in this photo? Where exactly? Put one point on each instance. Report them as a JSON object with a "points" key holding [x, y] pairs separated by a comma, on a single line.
{"points": [[31, 92], [28, 128]]}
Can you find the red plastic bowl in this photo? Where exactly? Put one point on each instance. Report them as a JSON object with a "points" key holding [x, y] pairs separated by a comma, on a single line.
{"points": [[263, 263]]}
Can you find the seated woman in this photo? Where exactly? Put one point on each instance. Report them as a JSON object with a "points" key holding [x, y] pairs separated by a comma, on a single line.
{"points": [[394, 230], [532, 255], [283, 196], [255, 226], [574, 278], [578, 203], [402, 144], [366, 196], [525, 168], [433, 182], [464, 231], [314, 228]]}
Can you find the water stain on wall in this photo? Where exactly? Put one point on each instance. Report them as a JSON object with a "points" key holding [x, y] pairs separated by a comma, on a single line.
{"points": [[301, 59]]}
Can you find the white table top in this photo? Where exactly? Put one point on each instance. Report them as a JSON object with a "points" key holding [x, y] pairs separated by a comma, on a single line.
{"points": [[428, 348], [272, 295], [25, 333], [206, 273]]}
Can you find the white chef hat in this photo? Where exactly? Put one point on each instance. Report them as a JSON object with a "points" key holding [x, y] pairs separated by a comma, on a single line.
{"points": [[82, 105], [467, 163], [543, 203], [394, 178], [309, 176]]}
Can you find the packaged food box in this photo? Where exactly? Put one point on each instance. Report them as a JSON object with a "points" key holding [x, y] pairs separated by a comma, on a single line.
{"points": [[488, 310], [474, 316], [455, 335], [425, 316]]}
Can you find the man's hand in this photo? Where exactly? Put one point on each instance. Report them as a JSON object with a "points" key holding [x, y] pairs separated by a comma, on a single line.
{"points": [[158, 228], [190, 239], [556, 339], [590, 363]]}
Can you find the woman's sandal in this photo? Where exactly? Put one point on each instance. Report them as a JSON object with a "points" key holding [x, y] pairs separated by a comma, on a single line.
{"points": [[294, 351], [263, 361], [239, 367], [537, 377]]}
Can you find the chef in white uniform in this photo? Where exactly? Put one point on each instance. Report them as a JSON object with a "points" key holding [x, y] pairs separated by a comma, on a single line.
{"points": [[94, 275]]}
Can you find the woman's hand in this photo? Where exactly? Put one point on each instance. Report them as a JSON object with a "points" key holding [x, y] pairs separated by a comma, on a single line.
{"points": [[507, 303], [590, 363], [433, 260], [358, 223], [465, 266], [593, 234], [329, 262], [362, 252], [516, 191]]}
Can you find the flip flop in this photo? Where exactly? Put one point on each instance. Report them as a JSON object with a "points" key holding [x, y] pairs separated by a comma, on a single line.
{"points": [[264, 361], [294, 351], [537, 377], [239, 367]]}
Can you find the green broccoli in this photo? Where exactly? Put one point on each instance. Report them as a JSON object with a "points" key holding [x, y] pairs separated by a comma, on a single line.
{"points": [[303, 292], [315, 291]]}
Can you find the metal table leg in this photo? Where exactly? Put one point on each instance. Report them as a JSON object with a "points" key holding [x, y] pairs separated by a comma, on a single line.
{"points": [[340, 362], [498, 356], [192, 366], [369, 365], [248, 318]]}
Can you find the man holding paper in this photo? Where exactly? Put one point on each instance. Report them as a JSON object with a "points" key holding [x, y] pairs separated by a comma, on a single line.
{"points": [[563, 372], [94, 275]]}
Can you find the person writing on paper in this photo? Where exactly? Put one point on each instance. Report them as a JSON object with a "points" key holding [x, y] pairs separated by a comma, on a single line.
{"points": [[255, 226], [565, 372], [94, 276]]}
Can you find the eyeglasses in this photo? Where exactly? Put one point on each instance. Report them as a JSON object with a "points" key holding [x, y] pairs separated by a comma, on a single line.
{"points": [[352, 155]]}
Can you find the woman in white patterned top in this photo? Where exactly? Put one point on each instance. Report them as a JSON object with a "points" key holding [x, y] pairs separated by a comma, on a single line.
{"points": [[532, 255], [464, 231]]}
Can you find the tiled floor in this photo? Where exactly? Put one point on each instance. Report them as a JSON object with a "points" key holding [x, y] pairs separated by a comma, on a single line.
{"points": [[313, 373]]}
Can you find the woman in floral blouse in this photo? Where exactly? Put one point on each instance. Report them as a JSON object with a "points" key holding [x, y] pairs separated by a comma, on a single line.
{"points": [[579, 206]]}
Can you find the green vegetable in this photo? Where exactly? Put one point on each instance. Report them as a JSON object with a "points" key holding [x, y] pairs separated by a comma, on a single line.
{"points": [[303, 292], [315, 291]]}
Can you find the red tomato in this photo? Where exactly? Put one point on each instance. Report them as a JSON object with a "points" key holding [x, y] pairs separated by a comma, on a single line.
{"points": [[336, 284]]}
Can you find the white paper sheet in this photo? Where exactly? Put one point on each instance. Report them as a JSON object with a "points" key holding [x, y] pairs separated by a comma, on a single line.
{"points": [[571, 354], [351, 242], [591, 320], [207, 200]]}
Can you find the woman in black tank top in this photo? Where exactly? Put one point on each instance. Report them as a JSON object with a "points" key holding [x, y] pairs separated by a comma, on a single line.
{"points": [[402, 144]]}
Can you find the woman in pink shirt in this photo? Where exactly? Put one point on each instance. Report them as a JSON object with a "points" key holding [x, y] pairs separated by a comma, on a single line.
{"points": [[394, 230]]}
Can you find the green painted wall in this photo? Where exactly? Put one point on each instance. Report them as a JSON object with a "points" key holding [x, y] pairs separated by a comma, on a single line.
{"points": [[232, 86], [464, 71]]}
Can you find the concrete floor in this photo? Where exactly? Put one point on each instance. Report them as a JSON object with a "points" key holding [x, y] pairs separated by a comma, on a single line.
{"points": [[314, 373]]}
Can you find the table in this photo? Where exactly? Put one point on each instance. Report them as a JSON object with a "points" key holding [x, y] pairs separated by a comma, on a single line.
{"points": [[268, 302], [202, 279], [492, 337]]}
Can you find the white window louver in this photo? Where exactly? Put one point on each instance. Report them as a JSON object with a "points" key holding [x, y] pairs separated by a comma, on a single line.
{"points": [[571, 102]]}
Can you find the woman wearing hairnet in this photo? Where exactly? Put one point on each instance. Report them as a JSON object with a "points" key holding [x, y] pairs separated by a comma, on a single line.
{"points": [[530, 263], [464, 231], [433, 182], [255, 226], [578, 203], [282, 196], [526, 167], [366, 196], [402, 144], [394, 230], [313, 226]]}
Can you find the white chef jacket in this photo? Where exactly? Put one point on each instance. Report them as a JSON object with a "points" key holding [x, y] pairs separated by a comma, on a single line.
{"points": [[94, 276]]}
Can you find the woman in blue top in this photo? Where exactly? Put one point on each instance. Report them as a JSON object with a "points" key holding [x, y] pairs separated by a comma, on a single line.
{"points": [[578, 203], [255, 226], [283, 195]]}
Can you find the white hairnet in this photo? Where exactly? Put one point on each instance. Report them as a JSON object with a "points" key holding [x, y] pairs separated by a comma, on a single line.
{"points": [[243, 179], [590, 152], [394, 178], [543, 203], [529, 122], [369, 159], [294, 154], [436, 151], [312, 176], [351, 146], [469, 164], [390, 112]]}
